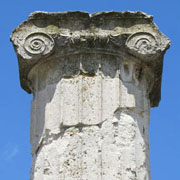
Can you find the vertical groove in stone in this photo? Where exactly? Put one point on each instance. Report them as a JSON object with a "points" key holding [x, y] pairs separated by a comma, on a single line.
{"points": [[61, 95], [90, 91], [80, 111], [91, 163], [110, 104], [70, 97], [52, 109], [80, 89], [119, 174], [102, 100]]}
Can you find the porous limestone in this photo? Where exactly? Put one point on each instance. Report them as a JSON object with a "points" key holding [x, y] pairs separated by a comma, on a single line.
{"points": [[93, 79]]}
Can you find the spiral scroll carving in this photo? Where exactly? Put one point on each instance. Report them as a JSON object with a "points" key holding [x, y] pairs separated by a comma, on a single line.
{"points": [[142, 43], [38, 44]]}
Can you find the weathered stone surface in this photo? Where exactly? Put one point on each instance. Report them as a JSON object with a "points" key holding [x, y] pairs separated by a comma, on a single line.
{"points": [[94, 79]]}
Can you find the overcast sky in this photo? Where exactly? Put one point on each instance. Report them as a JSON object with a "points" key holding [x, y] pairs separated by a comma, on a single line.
{"points": [[15, 158]]}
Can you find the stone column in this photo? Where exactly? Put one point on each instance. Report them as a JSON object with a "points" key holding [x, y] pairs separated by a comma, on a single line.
{"points": [[93, 79]]}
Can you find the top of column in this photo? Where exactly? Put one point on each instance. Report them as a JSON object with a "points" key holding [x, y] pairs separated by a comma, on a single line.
{"points": [[129, 35]]}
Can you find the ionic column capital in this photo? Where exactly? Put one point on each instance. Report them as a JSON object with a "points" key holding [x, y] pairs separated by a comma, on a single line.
{"points": [[129, 35]]}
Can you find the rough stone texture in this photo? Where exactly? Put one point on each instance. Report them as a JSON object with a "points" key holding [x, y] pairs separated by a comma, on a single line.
{"points": [[94, 79]]}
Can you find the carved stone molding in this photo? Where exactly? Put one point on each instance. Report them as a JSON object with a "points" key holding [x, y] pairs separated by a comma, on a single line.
{"points": [[142, 44], [38, 44]]}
